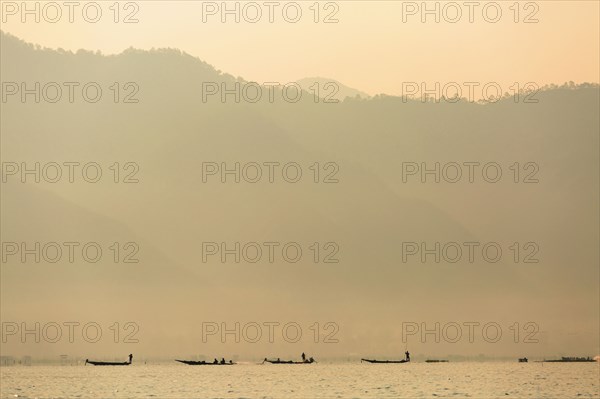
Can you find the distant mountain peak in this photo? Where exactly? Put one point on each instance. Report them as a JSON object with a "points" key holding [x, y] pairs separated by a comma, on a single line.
{"points": [[330, 88]]}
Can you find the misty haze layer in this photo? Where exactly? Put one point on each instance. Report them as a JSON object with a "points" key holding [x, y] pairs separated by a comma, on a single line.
{"points": [[373, 202]]}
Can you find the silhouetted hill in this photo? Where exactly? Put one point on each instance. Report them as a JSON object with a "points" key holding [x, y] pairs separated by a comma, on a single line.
{"points": [[171, 131]]}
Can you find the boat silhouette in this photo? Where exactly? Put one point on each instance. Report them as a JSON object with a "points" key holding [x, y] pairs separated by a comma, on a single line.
{"points": [[384, 361], [405, 360], [96, 363], [204, 363], [279, 361], [571, 360]]}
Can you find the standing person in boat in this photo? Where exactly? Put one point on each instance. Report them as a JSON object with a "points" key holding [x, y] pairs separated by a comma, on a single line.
{"points": [[130, 358], [303, 357], [407, 356]]}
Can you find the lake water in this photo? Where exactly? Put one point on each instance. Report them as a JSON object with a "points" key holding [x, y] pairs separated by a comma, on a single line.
{"points": [[347, 380]]}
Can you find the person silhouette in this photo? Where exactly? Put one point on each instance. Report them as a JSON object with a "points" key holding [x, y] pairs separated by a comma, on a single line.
{"points": [[407, 356], [215, 361], [130, 358], [222, 360], [303, 357]]}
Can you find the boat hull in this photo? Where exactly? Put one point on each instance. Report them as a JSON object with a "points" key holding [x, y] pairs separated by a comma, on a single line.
{"points": [[288, 362], [202, 363], [108, 363], [383, 361]]}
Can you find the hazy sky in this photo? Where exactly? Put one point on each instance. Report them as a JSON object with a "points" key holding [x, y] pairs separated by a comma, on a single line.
{"points": [[369, 48]]}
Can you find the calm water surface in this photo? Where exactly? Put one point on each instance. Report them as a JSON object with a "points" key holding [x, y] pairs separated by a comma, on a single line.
{"points": [[416, 380]]}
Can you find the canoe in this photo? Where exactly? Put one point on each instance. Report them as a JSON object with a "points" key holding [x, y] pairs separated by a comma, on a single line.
{"points": [[436, 361], [203, 363], [107, 363], [288, 361], [384, 361]]}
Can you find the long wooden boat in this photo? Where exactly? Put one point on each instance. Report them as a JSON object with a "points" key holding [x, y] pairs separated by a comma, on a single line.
{"points": [[571, 360], [95, 363], [384, 361], [309, 361], [106, 363], [437, 361], [203, 363]]}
